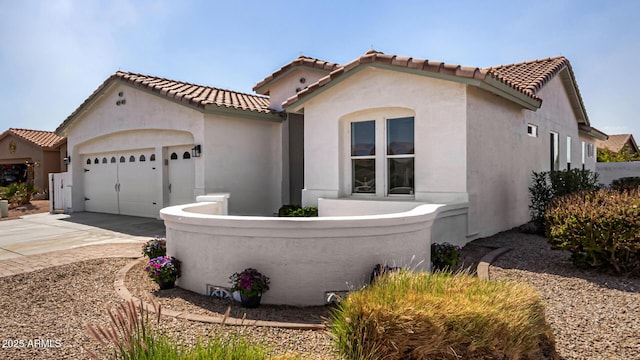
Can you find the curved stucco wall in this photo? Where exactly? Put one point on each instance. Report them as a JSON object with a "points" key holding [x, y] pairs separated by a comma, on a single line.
{"points": [[304, 257]]}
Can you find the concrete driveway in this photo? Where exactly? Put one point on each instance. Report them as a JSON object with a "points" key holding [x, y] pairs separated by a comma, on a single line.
{"points": [[42, 233]]}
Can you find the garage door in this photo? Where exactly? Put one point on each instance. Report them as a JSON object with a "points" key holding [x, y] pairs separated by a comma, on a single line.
{"points": [[122, 183], [181, 176]]}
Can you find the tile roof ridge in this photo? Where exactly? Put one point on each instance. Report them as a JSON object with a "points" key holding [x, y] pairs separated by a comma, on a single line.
{"points": [[528, 62], [121, 74]]}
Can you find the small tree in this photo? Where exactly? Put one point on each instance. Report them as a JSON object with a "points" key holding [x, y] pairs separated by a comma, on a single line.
{"points": [[624, 155]]}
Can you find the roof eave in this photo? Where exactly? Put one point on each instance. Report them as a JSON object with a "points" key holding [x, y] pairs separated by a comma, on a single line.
{"points": [[490, 84], [575, 99], [592, 132], [263, 89], [242, 113]]}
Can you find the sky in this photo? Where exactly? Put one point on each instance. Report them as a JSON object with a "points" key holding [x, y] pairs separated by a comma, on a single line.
{"points": [[55, 53]]}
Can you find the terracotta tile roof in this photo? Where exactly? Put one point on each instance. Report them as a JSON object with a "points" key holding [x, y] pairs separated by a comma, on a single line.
{"points": [[299, 61], [525, 78], [45, 139], [615, 143], [529, 77], [190, 94]]}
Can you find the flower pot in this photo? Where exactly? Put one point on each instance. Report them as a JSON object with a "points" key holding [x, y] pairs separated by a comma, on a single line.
{"points": [[166, 285], [250, 302]]}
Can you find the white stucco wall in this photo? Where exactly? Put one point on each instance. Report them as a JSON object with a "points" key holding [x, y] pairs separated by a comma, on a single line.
{"points": [[304, 257], [502, 156], [374, 93], [244, 158], [609, 171]]}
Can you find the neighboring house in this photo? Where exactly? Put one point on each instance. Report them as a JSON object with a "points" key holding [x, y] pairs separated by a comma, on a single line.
{"points": [[23, 150], [616, 143], [380, 127]]}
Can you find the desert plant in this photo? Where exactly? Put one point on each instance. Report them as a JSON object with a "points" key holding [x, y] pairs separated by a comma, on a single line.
{"points": [[132, 335], [599, 228], [547, 185], [406, 315], [19, 193], [155, 247]]}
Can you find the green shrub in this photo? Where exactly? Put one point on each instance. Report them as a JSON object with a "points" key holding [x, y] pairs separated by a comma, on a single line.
{"points": [[406, 315], [445, 256], [297, 211], [18, 193], [600, 228], [547, 185], [626, 183]]}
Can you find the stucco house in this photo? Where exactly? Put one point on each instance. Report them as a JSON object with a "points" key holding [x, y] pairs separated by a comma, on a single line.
{"points": [[23, 150], [382, 127]]}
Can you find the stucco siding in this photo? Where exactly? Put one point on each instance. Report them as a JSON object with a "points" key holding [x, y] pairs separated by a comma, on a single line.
{"points": [[374, 93], [502, 155], [244, 158]]}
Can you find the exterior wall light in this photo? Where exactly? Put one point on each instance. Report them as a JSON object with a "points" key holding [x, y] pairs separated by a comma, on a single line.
{"points": [[67, 160], [196, 151]]}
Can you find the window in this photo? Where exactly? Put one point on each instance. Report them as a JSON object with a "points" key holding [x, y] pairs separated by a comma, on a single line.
{"points": [[142, 158], [132, 158], [113, 159], [88, 161], [122, 159], [554, 151], [96, 161], [400, 155], [568, 152], [104, 160], [590, 150], [152, 157], [186, 155], [532, 130], [363, 157], [386, 167], [174, 156]]}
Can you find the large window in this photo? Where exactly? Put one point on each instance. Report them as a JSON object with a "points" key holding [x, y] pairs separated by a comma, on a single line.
{"points": [[400, 155], [392, 167], [363, 156]]}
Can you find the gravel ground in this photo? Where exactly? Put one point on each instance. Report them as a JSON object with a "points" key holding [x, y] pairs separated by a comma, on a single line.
{"points": [[44, 313]]}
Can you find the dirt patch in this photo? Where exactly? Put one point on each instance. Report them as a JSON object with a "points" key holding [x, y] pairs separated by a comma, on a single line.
{"points": [[35, 207]]}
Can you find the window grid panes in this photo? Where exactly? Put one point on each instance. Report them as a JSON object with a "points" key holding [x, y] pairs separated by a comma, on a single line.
{"points": [[363, 161], [400, 156]]}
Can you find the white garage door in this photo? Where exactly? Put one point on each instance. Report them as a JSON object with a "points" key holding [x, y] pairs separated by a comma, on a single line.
{"points": [[181, 176], [122, 183]]}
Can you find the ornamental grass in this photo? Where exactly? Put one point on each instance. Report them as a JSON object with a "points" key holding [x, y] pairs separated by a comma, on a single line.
{"points": [[406, 315]]}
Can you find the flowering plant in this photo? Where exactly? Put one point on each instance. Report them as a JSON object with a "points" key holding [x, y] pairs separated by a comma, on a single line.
{"points": [[155, 247], [249, 282], [163, 269], [445, 255]]}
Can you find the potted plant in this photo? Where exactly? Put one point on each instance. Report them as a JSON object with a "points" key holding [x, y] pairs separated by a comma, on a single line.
{"points": [[445, 255], [164, 270], [155, 247], [250, 284]]}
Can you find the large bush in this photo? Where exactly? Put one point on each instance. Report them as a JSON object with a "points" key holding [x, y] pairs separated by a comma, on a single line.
{"points": [[547, 185], [406, 315], [599, 228]]}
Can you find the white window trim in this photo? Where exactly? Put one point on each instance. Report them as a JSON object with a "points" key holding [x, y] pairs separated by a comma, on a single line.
{"points": [[568, 152], [532, 130], [380, 116], [554, 148]]}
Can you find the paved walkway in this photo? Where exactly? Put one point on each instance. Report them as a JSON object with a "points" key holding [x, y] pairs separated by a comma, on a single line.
{"points": [[38, 241], [24, 264]]}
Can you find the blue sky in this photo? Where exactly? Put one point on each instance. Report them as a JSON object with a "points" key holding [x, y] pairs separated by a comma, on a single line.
{"points": [[55, 53]]}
